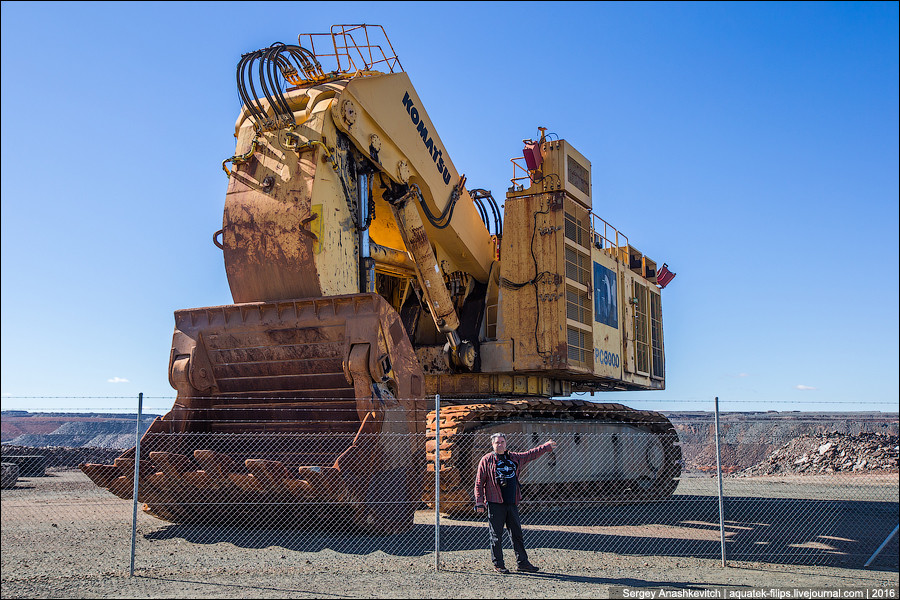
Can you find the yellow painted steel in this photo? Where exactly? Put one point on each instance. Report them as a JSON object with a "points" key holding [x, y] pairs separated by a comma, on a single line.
{"points": [[277, 246], [550, 326], [389, 107], [578, 321]]}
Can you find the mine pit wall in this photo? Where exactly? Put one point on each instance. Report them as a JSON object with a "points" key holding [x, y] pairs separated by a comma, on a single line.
{"points": [[748, 438]]}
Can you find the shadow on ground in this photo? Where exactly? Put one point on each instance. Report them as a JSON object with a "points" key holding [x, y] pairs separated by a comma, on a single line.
{"points": [[628, 582], [771, 530]]}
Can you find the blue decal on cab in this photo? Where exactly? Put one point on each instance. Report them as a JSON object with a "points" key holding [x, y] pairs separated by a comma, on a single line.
{"points": [[606, 309]]}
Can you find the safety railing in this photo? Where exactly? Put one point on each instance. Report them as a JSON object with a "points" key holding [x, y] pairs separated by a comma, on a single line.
{"points": [[521, 174], [603, 235], [353, 48], [609, 239]]}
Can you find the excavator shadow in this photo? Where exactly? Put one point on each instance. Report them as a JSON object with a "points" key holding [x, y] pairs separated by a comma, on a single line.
{"points": [[768, 530], [417, 541]]}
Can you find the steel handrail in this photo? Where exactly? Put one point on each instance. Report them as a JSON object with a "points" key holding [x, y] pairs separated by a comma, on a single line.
{"points": [[344, 47]]}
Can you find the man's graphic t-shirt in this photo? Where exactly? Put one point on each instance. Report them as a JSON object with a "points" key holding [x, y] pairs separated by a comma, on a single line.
{"points": [[506, 477]]}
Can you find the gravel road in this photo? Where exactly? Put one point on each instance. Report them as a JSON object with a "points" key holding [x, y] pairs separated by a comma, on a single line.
{"points": [[64, 537]]}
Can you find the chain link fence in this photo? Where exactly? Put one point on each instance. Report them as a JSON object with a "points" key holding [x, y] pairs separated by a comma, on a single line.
{"points": [[797, 489]]}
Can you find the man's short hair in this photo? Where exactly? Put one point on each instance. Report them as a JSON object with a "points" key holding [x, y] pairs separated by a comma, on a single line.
{"points": [[495, 436]]}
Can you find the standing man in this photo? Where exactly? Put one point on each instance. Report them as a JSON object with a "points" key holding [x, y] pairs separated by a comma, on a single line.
{"points": [[497, 482]]}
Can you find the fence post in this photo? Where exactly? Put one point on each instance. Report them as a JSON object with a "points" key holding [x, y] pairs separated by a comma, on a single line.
{"points": [[137, 474], [883, 544], [721, 499], [437, 482]]}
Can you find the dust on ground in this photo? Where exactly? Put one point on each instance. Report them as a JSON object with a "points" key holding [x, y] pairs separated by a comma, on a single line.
{"points": [[64, 537]]}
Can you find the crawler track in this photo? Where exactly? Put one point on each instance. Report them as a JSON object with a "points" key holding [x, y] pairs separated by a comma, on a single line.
{"points": [[606, 452]]}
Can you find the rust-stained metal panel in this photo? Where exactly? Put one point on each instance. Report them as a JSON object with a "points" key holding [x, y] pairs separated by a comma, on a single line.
{"points": [[284, 235], [548, 258], [342, 366], [532, 288]]}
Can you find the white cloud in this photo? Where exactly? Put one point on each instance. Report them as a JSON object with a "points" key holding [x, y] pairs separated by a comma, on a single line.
{"points": [[743, 374], [117, 380], [805, 388]]}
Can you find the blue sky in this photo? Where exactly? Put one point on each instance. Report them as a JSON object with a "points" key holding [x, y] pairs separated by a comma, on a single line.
{"points": [[752, 147]]}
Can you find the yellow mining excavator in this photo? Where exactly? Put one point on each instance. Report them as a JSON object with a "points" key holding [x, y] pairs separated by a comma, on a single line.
{"points": [[367, 279]]}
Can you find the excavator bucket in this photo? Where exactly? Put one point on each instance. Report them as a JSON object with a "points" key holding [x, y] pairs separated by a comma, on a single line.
{"points": [[311, 409]]}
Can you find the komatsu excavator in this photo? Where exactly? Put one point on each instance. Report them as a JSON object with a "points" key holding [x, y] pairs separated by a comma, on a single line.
{"points": [[367, 279]]}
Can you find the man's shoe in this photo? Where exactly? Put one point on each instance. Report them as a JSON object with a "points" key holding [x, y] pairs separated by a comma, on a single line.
{"points": [[503, 570], [528, 568]]}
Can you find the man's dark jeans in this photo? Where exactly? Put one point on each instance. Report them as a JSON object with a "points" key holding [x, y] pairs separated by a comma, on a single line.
{"points": [[498, 516]]}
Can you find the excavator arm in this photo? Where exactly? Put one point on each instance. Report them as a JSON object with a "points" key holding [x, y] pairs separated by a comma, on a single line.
{"points": [[359, 171], [385, 119]]}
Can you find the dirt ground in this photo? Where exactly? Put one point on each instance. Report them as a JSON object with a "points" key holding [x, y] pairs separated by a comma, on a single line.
{"points": [[63, 537]]}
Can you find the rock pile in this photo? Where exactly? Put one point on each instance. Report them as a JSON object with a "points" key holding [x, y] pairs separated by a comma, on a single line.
{"points": [[65, 458], [749, 438], [831, 453], [114, 434]]}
